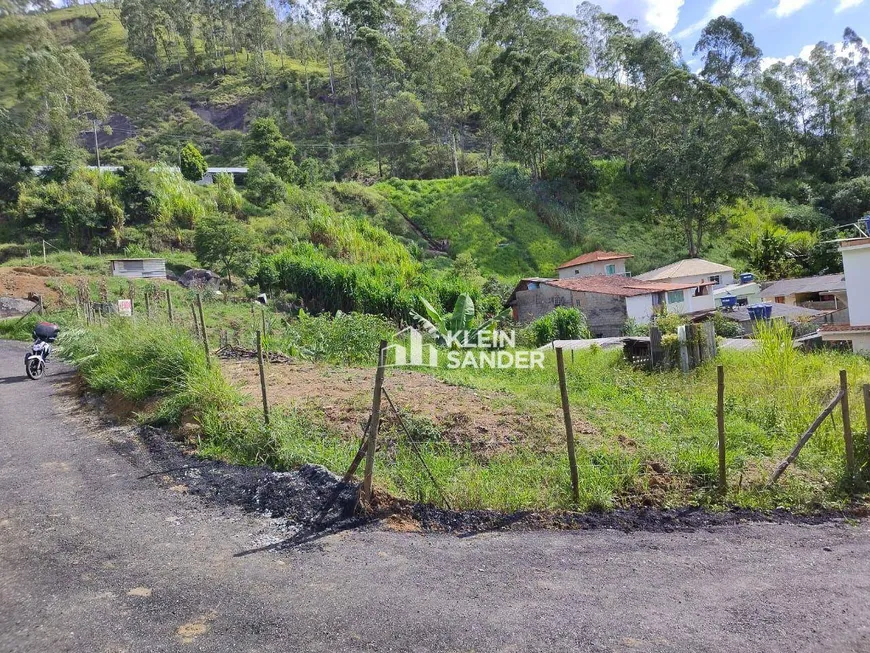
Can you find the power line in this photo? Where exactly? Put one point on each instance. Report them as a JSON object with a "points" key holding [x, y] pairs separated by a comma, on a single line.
{"points": [[308, 144]]}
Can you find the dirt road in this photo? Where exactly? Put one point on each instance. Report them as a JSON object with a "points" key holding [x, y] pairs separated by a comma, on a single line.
{"points": [[95, 555]]}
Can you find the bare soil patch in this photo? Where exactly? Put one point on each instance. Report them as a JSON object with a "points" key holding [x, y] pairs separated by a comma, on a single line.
{"points": [[488, 422], [24, 282]]}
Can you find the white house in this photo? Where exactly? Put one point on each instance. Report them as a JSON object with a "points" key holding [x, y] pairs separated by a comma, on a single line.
{"points": [[594, 264], [692, 270], [856, 267]]}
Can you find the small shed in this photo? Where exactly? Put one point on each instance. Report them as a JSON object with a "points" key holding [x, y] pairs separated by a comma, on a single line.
{"points": [[139, 268]]}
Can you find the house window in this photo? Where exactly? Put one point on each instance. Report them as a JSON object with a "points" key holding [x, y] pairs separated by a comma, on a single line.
{"points": [[715, 279], [576, 271], [779, 300], [656, 299], [675, 296], [610, 269]]}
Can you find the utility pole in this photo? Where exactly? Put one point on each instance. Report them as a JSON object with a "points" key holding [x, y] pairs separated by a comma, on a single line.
{"points": [[97, 146]]}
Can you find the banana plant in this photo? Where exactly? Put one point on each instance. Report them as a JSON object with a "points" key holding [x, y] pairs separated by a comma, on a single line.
{"points": [[456, 329]]}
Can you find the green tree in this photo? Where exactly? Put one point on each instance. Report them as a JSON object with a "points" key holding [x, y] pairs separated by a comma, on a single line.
{"points": [[223, 242], [192, 163], [262, 186], [695, 144], [265, 141], [731, 58]]}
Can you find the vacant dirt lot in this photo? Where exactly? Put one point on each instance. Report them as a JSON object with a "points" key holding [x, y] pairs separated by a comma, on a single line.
{"points": [[487, 421]]}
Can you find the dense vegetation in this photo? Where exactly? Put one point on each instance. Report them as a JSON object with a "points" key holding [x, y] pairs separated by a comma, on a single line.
{"points": [[370, 89]]}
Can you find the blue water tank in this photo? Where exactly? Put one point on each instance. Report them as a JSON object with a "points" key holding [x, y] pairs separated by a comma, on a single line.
{"points": [[756, 312], [728, 301], [767, 311], [747, 277]]}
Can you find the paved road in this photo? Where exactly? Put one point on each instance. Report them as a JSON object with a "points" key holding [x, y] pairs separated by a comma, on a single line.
{"points": [[96, 557]]}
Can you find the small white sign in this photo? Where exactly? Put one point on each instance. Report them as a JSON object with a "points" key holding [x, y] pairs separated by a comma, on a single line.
{"points": [[125, 307]]}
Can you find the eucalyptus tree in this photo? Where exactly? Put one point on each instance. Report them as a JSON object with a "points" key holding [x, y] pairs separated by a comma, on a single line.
{"points": [[695, 147], [731, 57]]}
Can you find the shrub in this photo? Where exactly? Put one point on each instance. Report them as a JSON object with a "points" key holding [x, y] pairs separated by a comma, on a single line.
{"points": [[562, 323], [347, 338], [192, 163], [262, 186], [725, 327], [515, 179], [852, 199]]}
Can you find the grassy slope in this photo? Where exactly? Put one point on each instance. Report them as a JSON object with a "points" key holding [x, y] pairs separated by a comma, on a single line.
{"points": [[511, 239], [161, 108], [477, 217]]}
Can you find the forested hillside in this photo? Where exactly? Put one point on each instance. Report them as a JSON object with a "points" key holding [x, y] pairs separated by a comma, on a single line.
{"points": [[487, 128]]}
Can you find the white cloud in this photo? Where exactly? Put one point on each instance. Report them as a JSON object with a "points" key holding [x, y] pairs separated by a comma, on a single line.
{"points": [[663, 15], [788, 7], [806, 51], [718, 8], [847, 4]]}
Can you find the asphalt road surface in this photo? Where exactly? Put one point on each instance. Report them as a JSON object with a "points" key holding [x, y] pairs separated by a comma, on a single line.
{"points": [[97, 556]]}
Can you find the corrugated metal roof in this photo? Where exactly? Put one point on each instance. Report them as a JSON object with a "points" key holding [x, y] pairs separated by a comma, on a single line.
{"points": [[593, 257], [741, 313], [689, 267], [821, 284]]}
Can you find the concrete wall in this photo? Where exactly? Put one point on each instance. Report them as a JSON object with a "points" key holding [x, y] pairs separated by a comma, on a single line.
{"points": [[690, 304], [861, 344], [639, 308], [856, 265], [605, 314], [592, 269], [534, 303]]}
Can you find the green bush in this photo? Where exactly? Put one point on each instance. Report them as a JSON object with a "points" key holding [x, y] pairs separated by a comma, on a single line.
{"points": [[347, 338], [262, 186], [561, 323]]}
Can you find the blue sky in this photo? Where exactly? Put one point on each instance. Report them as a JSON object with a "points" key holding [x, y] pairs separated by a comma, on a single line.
{"points": [[782, 28]]}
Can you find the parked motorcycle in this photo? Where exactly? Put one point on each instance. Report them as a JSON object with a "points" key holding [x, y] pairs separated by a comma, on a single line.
{"points": [[44, 335]]}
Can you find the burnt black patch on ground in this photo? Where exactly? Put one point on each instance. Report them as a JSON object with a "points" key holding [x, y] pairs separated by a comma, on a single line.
{"points": [[632, 519], [310, 497], [315, 502]]}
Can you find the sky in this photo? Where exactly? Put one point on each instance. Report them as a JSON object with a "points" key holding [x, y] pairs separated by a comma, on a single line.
{"points": [[782, 28]]}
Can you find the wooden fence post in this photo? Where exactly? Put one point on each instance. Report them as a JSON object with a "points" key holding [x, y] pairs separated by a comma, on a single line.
{"points": [[147, 306], [695, 343], [195, 321], [682, 333], [720, 422], [847, 425], [263, 316], [262, 378], [867, 413], [656, 353], [169, 305], [710, 348], [41, 305], [569, 427], [374, 425], [204, 332]]}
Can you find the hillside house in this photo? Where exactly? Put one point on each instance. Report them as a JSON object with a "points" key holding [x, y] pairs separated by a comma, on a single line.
{"points": [[607, 301], [856, 268], [692, 270], [594, 264], [823, 293]]}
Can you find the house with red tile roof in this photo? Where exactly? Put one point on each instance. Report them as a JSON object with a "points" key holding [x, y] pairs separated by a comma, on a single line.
{"points": [[608, 301], [594, 264]]}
